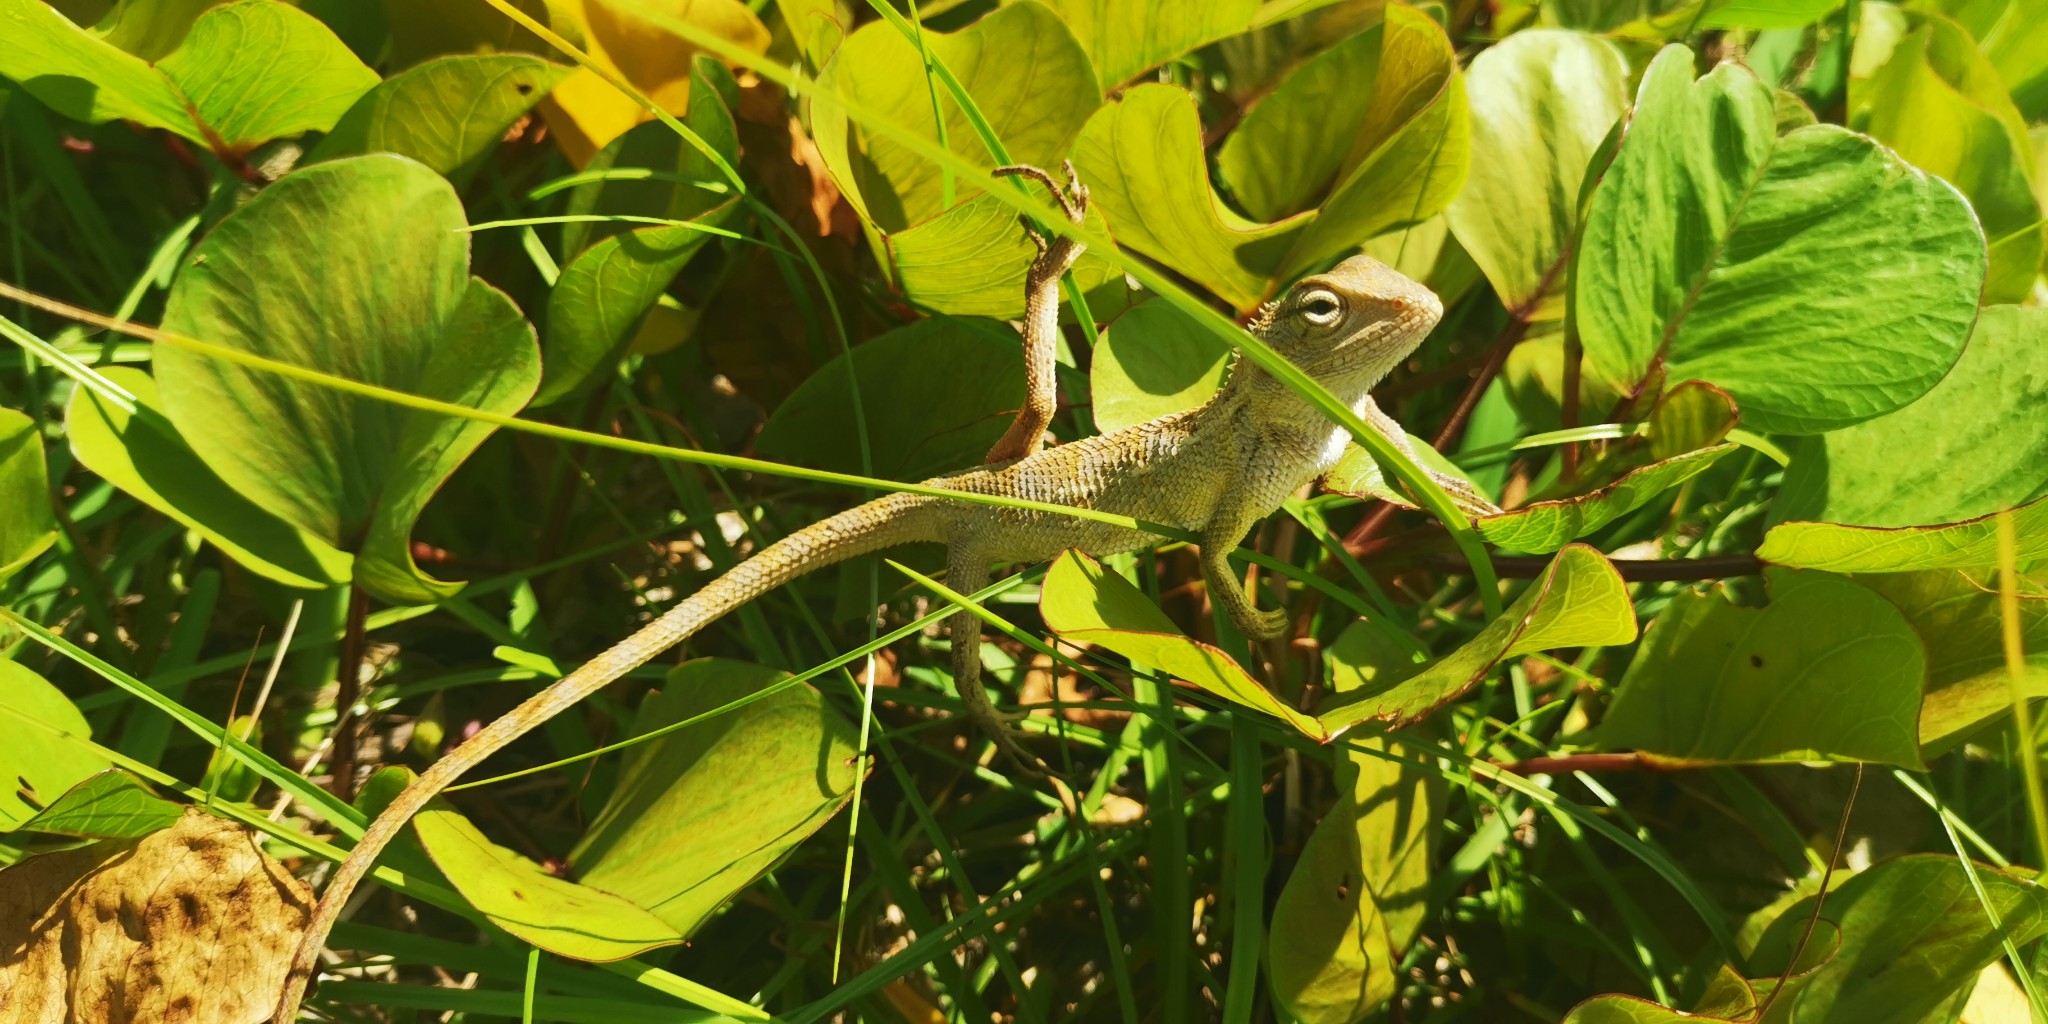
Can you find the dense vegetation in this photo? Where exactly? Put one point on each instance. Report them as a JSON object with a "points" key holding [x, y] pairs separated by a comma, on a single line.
{"points": [[371, 366]]}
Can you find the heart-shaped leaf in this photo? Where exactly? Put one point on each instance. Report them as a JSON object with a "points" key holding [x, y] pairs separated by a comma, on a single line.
{"points": [[1545, 526], [699, 813], [1142, 159], [383, 298], [247, 72], [971, 261], [444, 113], [1816, 277], [1371, 133], [1542, 103], [141, 453], [1827, 671], [1971, 544], [1975, 444], [1023, 69], [1579, 601], [936, 395], [27, 525]]}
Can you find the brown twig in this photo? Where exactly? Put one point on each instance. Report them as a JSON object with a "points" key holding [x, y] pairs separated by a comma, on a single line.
{"points": [[1634, 570], [348, 685], [1561, 764]]}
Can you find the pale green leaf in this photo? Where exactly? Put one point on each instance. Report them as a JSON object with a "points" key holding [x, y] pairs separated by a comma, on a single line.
{"points": [[1544, 526], [49, 749], [111, 804], [1914, 932], [142, 454], [1142, 159], [1966, 545], [1356, 896], [971, 261], [1021, 66], [1942, 106], [256, 70], [577, 921], [1826, 671], [81, 76], [1975, 444], [1127, 37], [1579, 601], [1957, 617], [1542, 102], [27, 525], [1088, 604], [1816, 277], [1153, 360], [384, 299], [699, 813], [444, 113]]}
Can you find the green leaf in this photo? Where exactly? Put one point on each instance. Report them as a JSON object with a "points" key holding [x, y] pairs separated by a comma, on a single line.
{"points": [[1969, 544], [1359, 474], [1143, 162], [558, 915], [1975, 444], [1373, 133], [444, 113], [1913, 934], [1085, 603], [1828, 671], [1542, 103], [1816, 277], [1153, 360], [245, 73], [1020, 65], [698, 814], [1125, 38], [257, 70], [1958, 619], [606, 291], [1579, 601], [27, 525], [971, 261], [81, 76], [1355, 899], [384, 298], [1767, 14], [142, 454], [49, 749], [1729, 999], [1942, 106], [937, 393], [109, 805], [1544, 526]]}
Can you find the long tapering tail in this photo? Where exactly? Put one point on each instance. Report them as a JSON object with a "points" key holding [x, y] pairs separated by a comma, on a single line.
{"points": [[885, 522]]}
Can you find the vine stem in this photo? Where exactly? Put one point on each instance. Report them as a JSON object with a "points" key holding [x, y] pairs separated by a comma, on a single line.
{"points": [[348, 683]]}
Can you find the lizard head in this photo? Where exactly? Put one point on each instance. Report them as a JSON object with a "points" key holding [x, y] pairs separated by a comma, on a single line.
{"points": [[1357, 321]]}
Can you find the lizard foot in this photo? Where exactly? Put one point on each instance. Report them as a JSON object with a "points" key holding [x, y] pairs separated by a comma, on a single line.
{"points": [[1072, 196]]}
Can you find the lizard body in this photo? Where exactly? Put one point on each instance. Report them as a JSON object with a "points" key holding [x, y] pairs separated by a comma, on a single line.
{"points": [[1213, 471]]}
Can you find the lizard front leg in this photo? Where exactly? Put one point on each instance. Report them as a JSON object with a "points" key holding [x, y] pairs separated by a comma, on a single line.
{"points": [[1042, 316], [966, 571], [1461, 490], [1233, 517]]}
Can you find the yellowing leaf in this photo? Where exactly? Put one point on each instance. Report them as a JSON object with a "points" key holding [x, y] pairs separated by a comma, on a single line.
{"points": [[585, 112]]}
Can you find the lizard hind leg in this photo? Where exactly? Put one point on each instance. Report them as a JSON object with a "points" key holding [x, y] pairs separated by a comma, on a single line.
{"points": [[967, 571]]}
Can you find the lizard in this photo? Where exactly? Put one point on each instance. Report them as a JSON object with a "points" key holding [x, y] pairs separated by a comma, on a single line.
{"points": [[1212, 471]]}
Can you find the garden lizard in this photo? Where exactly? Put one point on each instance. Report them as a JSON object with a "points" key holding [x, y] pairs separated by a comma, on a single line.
{"points": [[1213, 471]]}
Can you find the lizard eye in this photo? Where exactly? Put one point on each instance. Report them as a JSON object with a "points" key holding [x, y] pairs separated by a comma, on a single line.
{"points": [[1320, 308]]}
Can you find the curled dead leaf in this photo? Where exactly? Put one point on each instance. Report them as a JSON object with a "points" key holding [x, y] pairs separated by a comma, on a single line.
{"points": [[193, 923]]}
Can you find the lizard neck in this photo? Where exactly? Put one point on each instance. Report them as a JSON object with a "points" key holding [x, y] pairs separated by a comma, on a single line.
{"points": [[1288, 420]]}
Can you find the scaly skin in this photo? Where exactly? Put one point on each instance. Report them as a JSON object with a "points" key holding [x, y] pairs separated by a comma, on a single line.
{"points": [[1213, 471]]}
